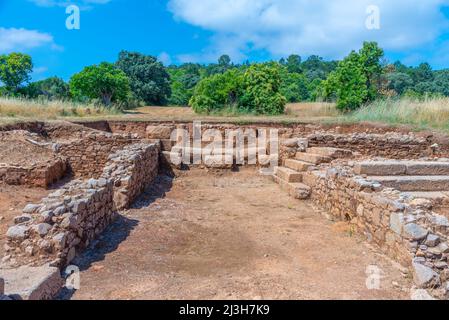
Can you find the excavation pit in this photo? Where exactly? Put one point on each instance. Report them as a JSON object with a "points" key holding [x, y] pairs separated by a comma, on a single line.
{"points": [[206, 231]]}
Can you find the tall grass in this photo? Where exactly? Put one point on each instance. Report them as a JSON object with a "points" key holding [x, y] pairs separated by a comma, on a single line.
{"points": [[312, 109], [45, 109], [428, 113]]}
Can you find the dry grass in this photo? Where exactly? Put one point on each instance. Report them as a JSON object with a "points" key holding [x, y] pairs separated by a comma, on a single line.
{"points": [[48, 110], [430, 113], [14, 110], [297, 112], [312, 109]]}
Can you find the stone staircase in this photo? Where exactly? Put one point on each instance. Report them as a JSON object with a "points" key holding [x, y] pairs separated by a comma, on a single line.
{"points": [[290, 175], [408, 176]]}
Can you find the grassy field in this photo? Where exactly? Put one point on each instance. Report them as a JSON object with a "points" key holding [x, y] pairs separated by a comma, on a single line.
{"points": [[427, 114], [13, 110]]}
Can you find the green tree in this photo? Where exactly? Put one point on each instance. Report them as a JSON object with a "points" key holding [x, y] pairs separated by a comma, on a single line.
{"points": [[422, 73], [224, 64], [51, 88], [370, 56], [399, 82], [294, 86], [357, 78], [15, 69], [262, 84], [442, 82], [316, 68], [293, 64], [183, 80], [254, 90], [217, 92], [149, 80], [224, 61], [104, 81], [348, 84]]}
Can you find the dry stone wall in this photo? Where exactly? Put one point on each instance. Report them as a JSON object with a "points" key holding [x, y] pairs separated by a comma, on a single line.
{"points": [[373, 141], [64, 223], [392, 145], [404, 227], [131, 170], [88, 155], [67, 221], [39, 175]]}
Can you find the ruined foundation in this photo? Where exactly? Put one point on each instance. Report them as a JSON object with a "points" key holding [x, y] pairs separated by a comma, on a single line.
{"points": [[109, 164]]}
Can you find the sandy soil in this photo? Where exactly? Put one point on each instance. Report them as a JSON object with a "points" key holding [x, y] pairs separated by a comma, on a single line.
{"points": [[230, 236], [12, 200], [21, 153]]}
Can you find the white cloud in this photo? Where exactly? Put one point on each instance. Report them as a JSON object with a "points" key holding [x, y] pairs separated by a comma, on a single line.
{"points": [[165, 58], [328, 28], [22, 39]]}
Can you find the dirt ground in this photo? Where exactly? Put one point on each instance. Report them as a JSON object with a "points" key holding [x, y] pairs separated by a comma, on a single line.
{"points": [[230, 236], [12, 200]]}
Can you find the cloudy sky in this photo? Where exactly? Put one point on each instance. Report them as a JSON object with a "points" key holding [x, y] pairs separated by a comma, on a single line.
{"points": [[201, 30]]}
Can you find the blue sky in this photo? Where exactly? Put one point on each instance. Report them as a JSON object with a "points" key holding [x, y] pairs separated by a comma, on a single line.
{"points": [[200, 30]]}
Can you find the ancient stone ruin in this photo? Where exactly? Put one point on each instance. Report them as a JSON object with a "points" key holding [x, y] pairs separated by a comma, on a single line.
{"points": [[391, 186]]}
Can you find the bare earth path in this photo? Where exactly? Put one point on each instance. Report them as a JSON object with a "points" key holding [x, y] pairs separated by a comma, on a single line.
{"points": [[234, 236]]}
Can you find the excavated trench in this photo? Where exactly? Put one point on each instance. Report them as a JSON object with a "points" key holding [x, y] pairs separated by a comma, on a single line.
{"points": [[326, 225]]}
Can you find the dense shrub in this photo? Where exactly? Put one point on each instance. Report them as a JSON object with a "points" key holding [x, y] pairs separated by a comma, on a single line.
{"points": [[217, 92], [183, 82], [257, 90], [103, 81], [15, 69], [52, 88], [261, 90], [357, 78], [148, 78]]}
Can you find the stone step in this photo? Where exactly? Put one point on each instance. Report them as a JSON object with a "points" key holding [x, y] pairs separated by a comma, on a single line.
{"points": [[330, 152], [431, 195], [288, 175], [297, 165], [312, 158], [396, 168], [296, 190], [228, 151], [32, 283], [414, 183]]}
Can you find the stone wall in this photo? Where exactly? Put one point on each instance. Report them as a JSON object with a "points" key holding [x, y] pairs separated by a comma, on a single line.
{"points": [[404, 228], [88, 155], [64, 223], [365, 139], [132, 169], [392, 145], [40, 175]]}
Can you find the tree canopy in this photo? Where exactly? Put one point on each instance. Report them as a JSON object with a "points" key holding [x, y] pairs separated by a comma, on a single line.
{"points": [[15, 69], [356, 79], [104, 81], [51, 88], [148, 78], [255, 90]]}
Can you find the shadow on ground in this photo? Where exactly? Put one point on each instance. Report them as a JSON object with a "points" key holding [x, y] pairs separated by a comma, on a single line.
{"points": [[119, 231], [161, 185]]}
